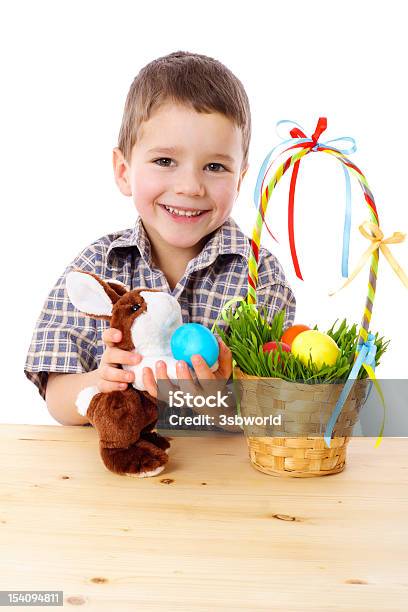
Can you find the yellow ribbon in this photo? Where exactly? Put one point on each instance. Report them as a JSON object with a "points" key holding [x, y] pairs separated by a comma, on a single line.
{"points": [[377, 242], [372, 376]]}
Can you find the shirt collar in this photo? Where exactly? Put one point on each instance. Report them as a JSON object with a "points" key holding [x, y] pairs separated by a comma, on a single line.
{"points": [[226, 240], [133, 237]]}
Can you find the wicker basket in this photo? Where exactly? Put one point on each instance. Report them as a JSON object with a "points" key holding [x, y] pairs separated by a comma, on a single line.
{"points": [[300, 449]]}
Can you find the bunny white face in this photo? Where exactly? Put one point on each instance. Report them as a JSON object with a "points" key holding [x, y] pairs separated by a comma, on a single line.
{"points": [[152, 330]]}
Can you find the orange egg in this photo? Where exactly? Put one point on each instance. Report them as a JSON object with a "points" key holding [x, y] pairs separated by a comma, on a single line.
{"points": [[290, 333]]}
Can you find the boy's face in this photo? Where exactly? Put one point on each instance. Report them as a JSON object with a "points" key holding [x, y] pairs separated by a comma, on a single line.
{"points": [[192, 174]]}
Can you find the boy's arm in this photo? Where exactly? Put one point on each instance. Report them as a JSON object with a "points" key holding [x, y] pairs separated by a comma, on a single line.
{"points": [[61, 393], [275, 298], [64, 341], [62, 389]]}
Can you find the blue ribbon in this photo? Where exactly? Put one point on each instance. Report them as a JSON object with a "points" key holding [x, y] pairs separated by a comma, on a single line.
{"points": [[319, 145], [366, 355]]}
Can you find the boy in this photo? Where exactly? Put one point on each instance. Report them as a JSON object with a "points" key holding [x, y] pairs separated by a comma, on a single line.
{"points": [[182, 155]]}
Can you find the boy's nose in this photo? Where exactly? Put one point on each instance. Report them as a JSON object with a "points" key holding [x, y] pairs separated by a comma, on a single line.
{"points": [[189, 184]]}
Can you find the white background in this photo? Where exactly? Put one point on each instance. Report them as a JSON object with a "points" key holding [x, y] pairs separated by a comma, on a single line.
{"points": [[66, 70]]}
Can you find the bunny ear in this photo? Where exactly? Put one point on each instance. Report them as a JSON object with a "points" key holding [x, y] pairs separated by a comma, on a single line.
{"points": [[90, 294], [117, 286]]}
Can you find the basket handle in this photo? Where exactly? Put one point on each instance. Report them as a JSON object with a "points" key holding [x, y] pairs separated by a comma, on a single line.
{"points": [[306, 147]]}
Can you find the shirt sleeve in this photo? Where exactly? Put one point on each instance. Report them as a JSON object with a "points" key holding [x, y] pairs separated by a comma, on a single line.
{"points": [[64, 340], [273, 290], [275, 298]]}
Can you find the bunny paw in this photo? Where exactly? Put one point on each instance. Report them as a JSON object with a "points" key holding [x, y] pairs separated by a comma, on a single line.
{"points": [[142, 459]]}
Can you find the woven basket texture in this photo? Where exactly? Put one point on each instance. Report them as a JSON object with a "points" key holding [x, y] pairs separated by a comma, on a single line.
{"points": [[297, 447]]}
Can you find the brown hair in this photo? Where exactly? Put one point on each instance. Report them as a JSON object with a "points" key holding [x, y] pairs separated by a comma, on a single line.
{"points": [[190, 79]]}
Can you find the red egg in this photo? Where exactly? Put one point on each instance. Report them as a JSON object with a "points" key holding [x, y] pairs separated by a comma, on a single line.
{"points": [[273, 346]]}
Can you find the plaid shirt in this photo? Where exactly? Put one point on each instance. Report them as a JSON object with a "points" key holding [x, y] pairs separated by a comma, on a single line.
{"points": [[67, 341]]}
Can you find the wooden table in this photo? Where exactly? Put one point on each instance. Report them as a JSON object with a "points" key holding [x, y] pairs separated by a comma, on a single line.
{"points": [[208, 533]]}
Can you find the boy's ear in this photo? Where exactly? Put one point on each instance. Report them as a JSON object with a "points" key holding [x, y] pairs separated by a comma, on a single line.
{"points": [[121, 172], [90, 294], [241, 178]]}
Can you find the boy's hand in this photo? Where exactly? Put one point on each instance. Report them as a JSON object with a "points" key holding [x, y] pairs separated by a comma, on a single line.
{"points": [[111, 376], [185, 379]]}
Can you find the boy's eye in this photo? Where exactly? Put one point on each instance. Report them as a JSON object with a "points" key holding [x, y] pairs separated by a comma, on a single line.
{"points": [[215, 164], [167, 159], [162, 159]]}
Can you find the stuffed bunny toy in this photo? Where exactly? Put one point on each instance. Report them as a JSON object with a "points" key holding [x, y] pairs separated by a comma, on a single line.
{"points": [[125, 420]]}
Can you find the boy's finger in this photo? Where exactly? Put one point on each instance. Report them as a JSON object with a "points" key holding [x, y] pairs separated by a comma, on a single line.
{"points": [[161, 370], [116, 355], [105, 386], [162, 375], [224, 349], [201, 368], [111, 335], [224, 346], [149, 382], [185, 379], [112, 374], [164, 384], [204, 374], [224, 361], [224, 368]]}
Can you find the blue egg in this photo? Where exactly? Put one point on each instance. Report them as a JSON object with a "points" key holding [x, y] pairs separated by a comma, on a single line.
{"points": [[194, 339]]}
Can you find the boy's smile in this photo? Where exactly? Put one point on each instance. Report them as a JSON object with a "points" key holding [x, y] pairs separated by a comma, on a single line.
{"points": [[183, 215], [184, 173]]}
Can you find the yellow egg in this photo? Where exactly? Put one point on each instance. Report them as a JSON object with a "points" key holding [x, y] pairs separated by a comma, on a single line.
{"points": [[321, 347]]}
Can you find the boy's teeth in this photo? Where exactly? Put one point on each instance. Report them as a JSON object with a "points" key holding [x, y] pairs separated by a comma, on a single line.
{"points": [[183, 213]]}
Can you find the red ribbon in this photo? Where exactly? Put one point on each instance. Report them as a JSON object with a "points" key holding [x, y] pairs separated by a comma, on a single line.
{"points": [[297, 133]]}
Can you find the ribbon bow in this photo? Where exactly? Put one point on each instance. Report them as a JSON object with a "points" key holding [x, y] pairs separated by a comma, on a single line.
{"points": [[365, 357], [377, 242], [299, 139]]}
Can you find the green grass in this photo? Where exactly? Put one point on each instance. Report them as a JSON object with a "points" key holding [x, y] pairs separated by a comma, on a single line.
{"points": [[248, 330]]}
